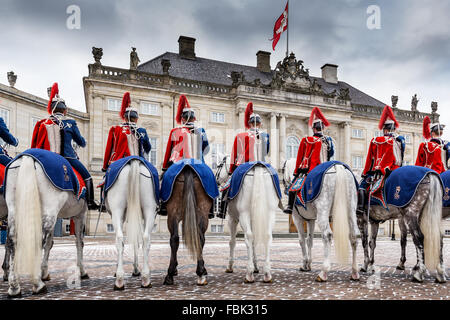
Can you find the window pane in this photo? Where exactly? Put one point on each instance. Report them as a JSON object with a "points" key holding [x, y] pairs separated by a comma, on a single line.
{"points": [[114, 104]]}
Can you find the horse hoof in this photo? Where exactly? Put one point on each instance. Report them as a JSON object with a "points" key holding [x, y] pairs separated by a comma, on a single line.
{"points": [[319, 279], [268, 281], [116, 288], [47, 278], [84, 276], [168, 281], [400, 268], [229, 270], [14, 296], [149, 285], [354, 277], [416, 279], [136, 274], [437, 280], [305, 269], [249, 281], [363, 270], [201, 284], [42, 290], [5, 278]]}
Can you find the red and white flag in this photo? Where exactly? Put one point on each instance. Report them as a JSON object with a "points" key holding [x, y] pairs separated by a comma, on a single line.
{"points": [[280, 26]]}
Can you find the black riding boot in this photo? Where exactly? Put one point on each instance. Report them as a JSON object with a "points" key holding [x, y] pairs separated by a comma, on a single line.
{"points": [[163, 209], [362, 202], [211, 211], [223, 205], [291, 202], [92, 205]]}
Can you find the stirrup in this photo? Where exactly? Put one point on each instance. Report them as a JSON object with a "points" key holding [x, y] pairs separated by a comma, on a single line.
{"points": [[93, 205], [288, 210], [221, 215]]}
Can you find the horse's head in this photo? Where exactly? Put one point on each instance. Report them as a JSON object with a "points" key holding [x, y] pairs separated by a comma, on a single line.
{"points": [[288, 171], [222, 172]]}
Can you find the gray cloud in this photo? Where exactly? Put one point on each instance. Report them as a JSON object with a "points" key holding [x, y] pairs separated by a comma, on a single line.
{"points": [[408, 55]]}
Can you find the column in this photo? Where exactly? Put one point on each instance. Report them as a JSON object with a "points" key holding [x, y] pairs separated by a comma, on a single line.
{"points": [[273, 140], [347, 150], [282, 140], [241, 114]]}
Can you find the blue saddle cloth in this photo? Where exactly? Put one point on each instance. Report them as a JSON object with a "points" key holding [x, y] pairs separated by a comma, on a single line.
{"points": [[312, 185], [401, 185], [240, 172], [445, 176], [116, 167], [204, 173], [57, 169]]}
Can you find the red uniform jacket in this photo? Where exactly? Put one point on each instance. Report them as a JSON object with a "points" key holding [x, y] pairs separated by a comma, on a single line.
{"points": [[244, 148], [40, 138], [308, 155], [117, 145], [430, 156], [381, 155]]}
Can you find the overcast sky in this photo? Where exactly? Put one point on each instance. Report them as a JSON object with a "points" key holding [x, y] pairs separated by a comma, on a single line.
{"points": [[409, 54]]}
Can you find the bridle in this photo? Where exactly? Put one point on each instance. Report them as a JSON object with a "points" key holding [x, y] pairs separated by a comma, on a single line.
{"points": [[220, 166]]}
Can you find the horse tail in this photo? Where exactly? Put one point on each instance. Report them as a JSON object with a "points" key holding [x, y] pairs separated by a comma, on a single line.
{"points": [[430, 224], [340, 216], [259, 209], [134, 215], [191, 231], [28, 221]]}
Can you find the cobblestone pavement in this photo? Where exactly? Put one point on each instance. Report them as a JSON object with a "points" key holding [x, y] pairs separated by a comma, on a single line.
{"points": [[289, 282]]}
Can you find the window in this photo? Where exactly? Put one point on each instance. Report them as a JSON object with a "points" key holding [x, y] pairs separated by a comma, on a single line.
{"points": [[407, 138], [68, 228], [379, 133], [150, 108], [357, 133], [109, 227], [217, 151], [114, 104], [447, 232], [218, 117], [154, 152], [381, 232], [292, 144], [357, 162], [217, 228]]}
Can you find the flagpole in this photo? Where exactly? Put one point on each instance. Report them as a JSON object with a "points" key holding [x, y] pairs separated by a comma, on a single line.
{"points": [[287, 36]]}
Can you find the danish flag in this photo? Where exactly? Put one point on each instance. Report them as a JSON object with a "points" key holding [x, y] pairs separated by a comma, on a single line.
{"points": [[280, 26]]}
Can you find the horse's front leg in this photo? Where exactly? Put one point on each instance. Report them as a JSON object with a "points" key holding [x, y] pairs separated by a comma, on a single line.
{"points": [[403, 236], [363, 230], [372, 244], [5, 265], [298, 221], [232, 224], [79, 235], [174, 244]]}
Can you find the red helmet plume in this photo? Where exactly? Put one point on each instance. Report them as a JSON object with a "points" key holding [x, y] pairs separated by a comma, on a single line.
{"points": [[316, 114], [248, 113], [426, 128], [53, 93], [183, 105], [387, 115], [126, 100]]}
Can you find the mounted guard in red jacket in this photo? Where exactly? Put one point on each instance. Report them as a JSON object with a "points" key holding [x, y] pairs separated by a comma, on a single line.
{"points": [[56, 134], [435, 152], [385, 155], [312, 151]]}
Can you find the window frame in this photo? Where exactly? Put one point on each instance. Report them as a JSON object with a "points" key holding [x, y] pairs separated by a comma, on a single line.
{"points": [[150, 104], [288, 146], [118, 104]]}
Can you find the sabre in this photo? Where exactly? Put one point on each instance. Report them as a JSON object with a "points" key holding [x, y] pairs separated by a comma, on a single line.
{"points": [[98, 218]]}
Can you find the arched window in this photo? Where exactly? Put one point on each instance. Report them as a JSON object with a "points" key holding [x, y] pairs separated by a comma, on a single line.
{"points": [[292, 144]]}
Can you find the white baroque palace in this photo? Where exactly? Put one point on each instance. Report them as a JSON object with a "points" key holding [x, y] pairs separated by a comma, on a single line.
{"points": [[219, 91]]}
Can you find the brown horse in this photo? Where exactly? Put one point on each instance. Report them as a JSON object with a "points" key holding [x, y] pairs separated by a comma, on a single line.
{"points": [[190, 204]]}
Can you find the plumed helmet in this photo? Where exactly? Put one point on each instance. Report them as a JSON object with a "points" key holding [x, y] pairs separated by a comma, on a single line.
{"points": [[250, 116], [317, 119], [126, 110], [184, 110], [55, 101], [388, 120]]}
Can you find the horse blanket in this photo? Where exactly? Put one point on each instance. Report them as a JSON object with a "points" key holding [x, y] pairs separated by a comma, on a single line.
{"points": [[308, 187], [203, 172], [401, 186], [116, 167], [240, 172], [57, 169], [445, 176]]}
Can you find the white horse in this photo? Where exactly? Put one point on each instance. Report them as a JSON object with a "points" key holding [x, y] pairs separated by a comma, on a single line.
{"points": [[254, 208], [337, 201], [131, 199], [34, 205]]}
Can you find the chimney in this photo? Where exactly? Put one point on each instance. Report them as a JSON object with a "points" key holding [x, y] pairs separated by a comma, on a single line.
{"points": [[329, 73], [263, 61], [186, 47]]}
